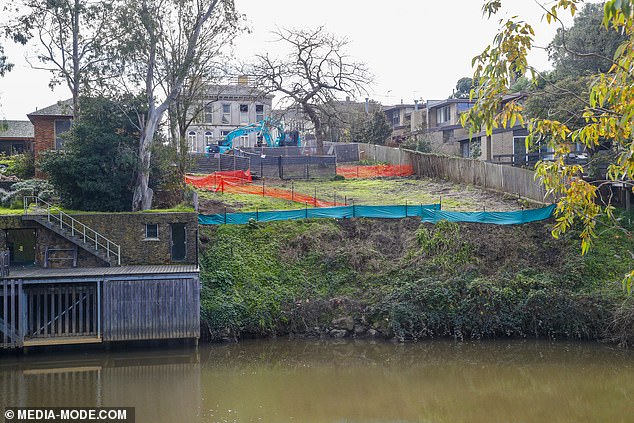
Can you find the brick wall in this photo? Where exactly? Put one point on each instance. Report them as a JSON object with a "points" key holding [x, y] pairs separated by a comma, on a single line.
{"points": [[125, 229], [128, 230], [45, 238], [44, 127]]}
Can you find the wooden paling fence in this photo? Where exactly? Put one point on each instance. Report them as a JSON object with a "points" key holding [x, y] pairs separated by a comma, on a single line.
{"points": [[479, 173]]}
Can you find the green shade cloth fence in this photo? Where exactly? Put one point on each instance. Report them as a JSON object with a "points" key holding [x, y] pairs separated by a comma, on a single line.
{"points": [[341, 212], [430, 213], [496, 218]]}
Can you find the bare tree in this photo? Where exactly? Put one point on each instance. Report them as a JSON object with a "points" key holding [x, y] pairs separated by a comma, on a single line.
{"points": [[312, 74], [159, 64]]}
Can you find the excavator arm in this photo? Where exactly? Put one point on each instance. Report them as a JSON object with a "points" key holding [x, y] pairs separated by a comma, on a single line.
{"points": [[272, 131]]}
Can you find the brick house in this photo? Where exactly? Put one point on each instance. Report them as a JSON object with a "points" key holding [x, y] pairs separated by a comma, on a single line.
{"points": [[49, 124], [16, 137]]}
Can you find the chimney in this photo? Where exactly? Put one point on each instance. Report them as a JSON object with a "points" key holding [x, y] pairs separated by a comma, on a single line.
{"points": [[243, 80], [367, 105], [416, 105], [347, 99], [401, 101]]}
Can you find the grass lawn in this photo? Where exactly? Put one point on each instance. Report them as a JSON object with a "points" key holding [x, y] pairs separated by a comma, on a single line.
{"points": [[181, 208]]}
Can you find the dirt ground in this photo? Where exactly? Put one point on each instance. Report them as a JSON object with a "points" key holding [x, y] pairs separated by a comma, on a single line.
{"points": [[378, 191]]}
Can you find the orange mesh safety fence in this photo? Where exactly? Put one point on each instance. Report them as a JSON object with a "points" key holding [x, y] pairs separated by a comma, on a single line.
{"points": [[283, 194], [375, 171], [216, 179], [239, 182]]}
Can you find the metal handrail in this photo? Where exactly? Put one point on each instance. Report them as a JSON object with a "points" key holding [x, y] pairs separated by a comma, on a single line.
{"points": [[89, 235]]}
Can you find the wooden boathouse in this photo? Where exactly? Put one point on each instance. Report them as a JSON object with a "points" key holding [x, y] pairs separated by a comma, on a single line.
{"points": [[96, 278]]}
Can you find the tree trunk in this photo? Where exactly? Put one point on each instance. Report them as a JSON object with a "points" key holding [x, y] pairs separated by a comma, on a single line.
{"points": [[315, 119], [76, 72], [142, 198]]}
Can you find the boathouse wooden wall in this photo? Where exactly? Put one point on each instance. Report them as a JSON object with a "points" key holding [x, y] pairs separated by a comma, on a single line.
{"points": [[151, 309]]}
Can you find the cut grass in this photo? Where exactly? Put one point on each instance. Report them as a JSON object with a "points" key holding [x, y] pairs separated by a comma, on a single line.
{"points": [[178, 209]]}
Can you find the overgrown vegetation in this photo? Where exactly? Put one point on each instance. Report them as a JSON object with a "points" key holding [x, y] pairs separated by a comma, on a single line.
{"points": [[20, 165], [402, 280], [97, 168]]}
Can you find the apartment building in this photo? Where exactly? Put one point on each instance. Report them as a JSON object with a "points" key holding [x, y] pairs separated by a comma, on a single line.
{"points": [[224, 108]]}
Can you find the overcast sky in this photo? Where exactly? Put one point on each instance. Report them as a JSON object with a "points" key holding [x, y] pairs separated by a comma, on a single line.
{"points": [[416, 49]]}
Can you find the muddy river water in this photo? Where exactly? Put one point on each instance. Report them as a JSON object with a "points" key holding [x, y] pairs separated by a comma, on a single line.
{"points": [[336, 381]]}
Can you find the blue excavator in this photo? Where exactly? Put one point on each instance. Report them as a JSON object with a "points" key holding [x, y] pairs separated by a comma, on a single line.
{"points": [[269, 132]]}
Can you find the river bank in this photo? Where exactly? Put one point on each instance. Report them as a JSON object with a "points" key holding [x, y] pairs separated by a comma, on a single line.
{"points": [[405, 281]]}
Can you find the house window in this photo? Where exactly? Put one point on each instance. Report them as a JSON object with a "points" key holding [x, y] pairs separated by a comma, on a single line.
{"points": [[209, 113], [17, 149], [259, 112], [191, 139], [443, 114], [244, 140], [151, 231], [61, 126], [520, 155], [244, 113], [447, 135], [465, 150], [209, 138], [463, 107], [396, 118], [226, 113]]}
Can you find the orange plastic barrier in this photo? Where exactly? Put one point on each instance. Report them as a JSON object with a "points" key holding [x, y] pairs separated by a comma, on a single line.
{"points": [[275, 193], [239, 182], [216, 179], [375, 171]]}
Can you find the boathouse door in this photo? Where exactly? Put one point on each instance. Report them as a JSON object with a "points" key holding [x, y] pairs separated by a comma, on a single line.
{"points": [[179, 239], [21, 246]]}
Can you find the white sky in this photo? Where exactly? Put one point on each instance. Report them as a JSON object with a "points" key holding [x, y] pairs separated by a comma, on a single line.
{"points": [[416, 49]]}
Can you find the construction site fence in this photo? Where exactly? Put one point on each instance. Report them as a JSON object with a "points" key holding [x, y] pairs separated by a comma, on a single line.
{"points": [[340, 212], [429, 213], [508, 179], [517, 217], [290, 167], [374, 171], [210, 163]]}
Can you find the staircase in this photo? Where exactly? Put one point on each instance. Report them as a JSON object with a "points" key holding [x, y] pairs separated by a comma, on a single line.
{"points": [[54, 219]]}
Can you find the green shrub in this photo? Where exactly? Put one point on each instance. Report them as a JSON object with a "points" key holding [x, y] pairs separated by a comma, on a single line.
{"points": [[37, 187]]}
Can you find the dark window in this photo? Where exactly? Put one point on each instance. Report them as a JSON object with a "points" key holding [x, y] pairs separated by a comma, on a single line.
{"points": [[17, 148], [396, 118], [259, 112], [151, 231], [209, 112], [61, 126], [447, 135]]}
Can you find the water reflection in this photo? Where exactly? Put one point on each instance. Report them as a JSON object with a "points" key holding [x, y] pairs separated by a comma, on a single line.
{"points": [[151, 382], [339, 381]]}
